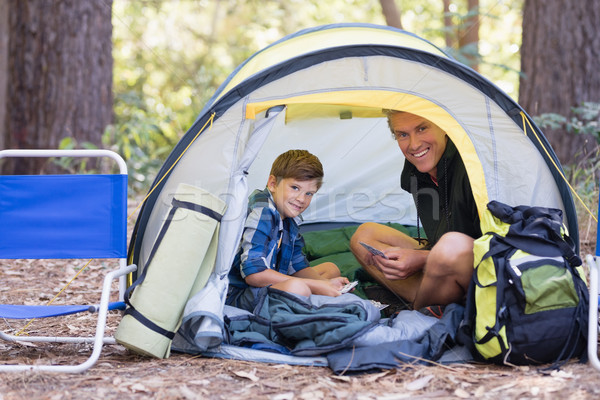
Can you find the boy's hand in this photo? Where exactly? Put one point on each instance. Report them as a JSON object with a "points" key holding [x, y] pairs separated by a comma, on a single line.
{"points": [[324, 287], [339, 282], [349, 287]]}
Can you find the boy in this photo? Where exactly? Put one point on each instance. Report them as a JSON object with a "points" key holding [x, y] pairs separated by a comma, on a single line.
{"points": [[270, 252]]}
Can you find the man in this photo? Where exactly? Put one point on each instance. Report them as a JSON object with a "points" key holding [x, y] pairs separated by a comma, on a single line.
{"points": [[436, 272]]}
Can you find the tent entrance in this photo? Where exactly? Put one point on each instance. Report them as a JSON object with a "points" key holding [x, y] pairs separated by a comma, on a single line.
{"points": [[335, 109]]}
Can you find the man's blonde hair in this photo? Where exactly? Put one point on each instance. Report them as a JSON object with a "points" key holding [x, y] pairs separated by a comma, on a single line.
{"points": [[388, 113]]}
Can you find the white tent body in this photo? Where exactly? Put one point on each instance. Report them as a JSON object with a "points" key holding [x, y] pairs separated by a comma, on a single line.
{"points": [[324, 90], [333, 109]]}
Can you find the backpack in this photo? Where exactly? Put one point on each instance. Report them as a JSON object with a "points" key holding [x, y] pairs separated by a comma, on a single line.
{"points": [[527, 302]]}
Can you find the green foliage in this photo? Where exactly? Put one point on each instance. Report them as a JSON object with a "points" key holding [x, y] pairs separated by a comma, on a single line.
{"points": [[74, 165], [585, 120], [583, 175], [143, 138], [583, 178]]}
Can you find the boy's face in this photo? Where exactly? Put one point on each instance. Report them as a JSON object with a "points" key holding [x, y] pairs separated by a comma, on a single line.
{"points": [[291, 196], [422, 142]]}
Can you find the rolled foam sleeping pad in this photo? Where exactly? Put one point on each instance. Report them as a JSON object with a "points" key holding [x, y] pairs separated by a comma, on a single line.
{"points": [[179, 265]]}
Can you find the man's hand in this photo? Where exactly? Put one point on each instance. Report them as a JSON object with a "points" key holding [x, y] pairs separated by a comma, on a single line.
{"points": [[401, 263]]}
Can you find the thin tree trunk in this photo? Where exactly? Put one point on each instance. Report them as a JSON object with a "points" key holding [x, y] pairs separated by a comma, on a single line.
{"points": [[470, 33], [448, 26], [391, 13]]}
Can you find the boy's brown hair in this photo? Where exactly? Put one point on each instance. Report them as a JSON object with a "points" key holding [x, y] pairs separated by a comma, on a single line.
{"points": [[298, 164]]}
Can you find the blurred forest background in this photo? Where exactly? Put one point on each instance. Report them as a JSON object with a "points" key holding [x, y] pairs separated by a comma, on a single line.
{"points": [[132, 75]]}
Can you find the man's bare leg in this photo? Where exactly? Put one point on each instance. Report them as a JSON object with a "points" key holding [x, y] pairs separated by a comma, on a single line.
{"points": [[447, 272], [382, 237]]}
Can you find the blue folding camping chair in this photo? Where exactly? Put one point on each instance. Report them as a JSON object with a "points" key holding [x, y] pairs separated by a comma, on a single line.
{"points": [[594, 265], [81, 216]]}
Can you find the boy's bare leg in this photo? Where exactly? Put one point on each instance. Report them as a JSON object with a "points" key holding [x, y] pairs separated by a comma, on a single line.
{"points": [[448, 271], [382, 237], [295, 286]]}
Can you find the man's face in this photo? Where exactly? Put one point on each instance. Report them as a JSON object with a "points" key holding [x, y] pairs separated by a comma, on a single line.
{"points": [[291, 196], [422, 142]]}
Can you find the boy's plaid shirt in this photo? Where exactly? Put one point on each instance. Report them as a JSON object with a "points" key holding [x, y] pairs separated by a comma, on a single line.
{"points": [[267, 241]]}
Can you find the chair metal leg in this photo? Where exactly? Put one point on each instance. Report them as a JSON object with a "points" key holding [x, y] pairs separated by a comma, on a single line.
{"points": [[98, 339]]}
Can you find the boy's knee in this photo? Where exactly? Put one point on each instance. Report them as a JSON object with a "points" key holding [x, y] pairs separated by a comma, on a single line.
{"points": [[331, 270]]}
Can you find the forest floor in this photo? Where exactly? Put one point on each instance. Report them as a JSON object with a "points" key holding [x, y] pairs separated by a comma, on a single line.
{"points": [[124, 375]]}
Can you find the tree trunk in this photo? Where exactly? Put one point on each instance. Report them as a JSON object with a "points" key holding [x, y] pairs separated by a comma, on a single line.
{"points": [[469, 34], [560, 55], [59, 75], [391, 13], [448, 25], [3, 67]]}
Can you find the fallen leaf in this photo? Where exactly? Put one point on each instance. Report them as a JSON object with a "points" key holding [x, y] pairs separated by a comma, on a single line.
{"points": [[272, 385], [479, 392], [188, 393], [341, 378], [282, 366], [138, 387], [561, 374], [312, 388], [27, 344], [499, 388], [202, 382], [317, 394], [374, 377], [327, 382], [463, 394], [283, 396], [419, 384], [247, 375]]}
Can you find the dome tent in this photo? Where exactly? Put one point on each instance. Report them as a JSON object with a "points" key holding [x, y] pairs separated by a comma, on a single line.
{"points": [[323, 89]]}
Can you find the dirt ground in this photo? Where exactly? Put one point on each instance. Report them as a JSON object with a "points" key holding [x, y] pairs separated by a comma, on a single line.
{"points": [[125, 375], [122, 374]]}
